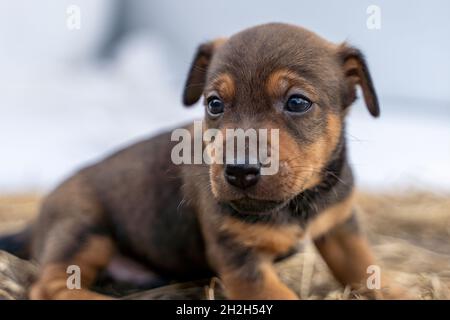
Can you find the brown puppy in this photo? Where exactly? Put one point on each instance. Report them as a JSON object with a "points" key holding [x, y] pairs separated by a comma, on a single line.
{"points": [[187, 221]]}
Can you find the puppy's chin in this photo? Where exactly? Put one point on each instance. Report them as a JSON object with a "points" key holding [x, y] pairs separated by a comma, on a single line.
{"points": [[250, 203], [247, 203], [255, 207]]}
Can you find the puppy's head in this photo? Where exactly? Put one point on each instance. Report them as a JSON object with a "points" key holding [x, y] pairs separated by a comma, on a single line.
{"points": [[283, 77]]}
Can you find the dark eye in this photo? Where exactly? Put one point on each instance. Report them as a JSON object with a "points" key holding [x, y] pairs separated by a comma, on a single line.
{"points": [[298, 103], [215, 106]]}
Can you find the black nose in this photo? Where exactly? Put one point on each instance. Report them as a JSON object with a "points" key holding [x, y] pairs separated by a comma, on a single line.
{"points": [[242, 175]]}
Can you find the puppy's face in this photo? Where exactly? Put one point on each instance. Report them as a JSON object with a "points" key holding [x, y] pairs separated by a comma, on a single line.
{"points": [[280, 77]]}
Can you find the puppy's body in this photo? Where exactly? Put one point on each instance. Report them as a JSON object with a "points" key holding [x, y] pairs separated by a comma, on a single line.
{"points": [[135, 196], [189, 221], [161, 226]]}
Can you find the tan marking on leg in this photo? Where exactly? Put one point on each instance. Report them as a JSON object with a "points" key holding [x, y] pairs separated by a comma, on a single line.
{"points": [[269, 287], [348, 255], [52, 282]]}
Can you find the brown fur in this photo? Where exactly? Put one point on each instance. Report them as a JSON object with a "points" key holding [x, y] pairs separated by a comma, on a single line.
{"points": [[268, 287], [186, 221], [274, 240], [280, 81], [347, 255], [91, 258], [225, 87], [330, 217]]}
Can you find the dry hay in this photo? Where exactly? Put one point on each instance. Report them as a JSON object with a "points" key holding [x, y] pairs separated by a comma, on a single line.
{"points": [[410, 234]]}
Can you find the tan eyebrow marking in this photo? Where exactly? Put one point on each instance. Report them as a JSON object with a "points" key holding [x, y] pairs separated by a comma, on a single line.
{"points": [[279, 82], [224, 85]]}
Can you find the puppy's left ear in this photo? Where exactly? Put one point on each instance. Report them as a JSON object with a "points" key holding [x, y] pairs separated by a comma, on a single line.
{"points": [[357, 73], [195, 81]]}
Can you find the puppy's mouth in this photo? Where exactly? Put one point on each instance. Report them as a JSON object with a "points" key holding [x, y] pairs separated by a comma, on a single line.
{"points": [[255, 206]]}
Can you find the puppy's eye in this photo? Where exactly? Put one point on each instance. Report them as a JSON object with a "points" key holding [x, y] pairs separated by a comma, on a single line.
{"points": [[298, 104], [215, 106]]}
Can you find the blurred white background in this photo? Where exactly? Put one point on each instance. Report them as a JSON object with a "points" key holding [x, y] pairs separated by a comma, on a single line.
{"points": [[68, 97]]}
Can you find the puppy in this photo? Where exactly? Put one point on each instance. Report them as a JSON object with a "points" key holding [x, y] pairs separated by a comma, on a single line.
{"points": [[194, 220]]}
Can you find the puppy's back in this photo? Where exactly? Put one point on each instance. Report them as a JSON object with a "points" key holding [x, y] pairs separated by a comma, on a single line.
{"points": [[135, 196]]}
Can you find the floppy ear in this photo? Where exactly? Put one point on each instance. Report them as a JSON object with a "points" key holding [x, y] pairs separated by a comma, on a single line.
{"points": [[357, 73], [196, 78]]}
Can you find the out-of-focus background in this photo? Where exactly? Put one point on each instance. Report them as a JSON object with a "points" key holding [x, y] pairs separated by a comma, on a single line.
{"points": [[70, 96]]}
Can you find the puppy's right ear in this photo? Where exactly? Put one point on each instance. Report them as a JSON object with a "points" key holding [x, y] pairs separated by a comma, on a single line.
{"points": [[195, 82]]}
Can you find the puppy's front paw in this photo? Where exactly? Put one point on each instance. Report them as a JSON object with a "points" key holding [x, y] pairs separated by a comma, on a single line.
{"points": [[387, 292], [395, 292]]}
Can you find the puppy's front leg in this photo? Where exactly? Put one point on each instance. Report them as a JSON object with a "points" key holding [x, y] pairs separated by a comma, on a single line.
{"points": [[346, 252], [348, 255], [246, 269], [260, 283]]}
